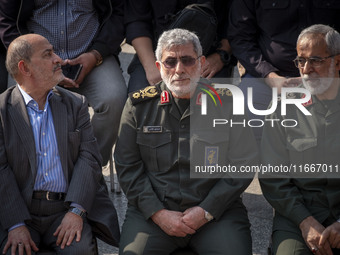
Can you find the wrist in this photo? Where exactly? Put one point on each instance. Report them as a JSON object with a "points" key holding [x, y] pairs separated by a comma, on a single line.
{"points": [[78, 212], [208, 216], [98, 56], [224, 56]]}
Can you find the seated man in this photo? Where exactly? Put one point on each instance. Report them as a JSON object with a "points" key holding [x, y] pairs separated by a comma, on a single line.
{"points": [[307, 202], [167, 209], [52, 190]]}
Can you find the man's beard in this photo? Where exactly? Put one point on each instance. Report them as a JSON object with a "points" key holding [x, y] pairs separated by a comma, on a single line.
{"points": [[318, 85], [182, 91]]}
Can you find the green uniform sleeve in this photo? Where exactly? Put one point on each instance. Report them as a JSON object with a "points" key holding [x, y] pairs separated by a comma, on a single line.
{"points": [[281, 193], [130, 167]]}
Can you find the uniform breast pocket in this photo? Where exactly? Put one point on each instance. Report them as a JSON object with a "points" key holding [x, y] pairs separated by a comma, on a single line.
{"points": [[209, 149], [302, 150], [156, 150]]}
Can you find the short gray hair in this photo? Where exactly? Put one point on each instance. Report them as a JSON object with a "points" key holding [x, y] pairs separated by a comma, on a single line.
{"points": [[331, 36], [19, 49], [175, 37]]}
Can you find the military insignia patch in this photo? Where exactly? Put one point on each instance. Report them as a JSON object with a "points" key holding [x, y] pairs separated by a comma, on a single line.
{"points": [[165, 98], [224, 92], [144, 94], [211, 155], [310, 101], [152, 129], [199, 99]]}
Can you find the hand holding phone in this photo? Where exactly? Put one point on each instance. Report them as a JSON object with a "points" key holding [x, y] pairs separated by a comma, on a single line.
{"points": [[71, 71]]}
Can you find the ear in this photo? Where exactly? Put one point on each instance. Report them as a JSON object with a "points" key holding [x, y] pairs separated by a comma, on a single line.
{"points": [[158, 65], [23, 68], [202, 60], [337, 62]]}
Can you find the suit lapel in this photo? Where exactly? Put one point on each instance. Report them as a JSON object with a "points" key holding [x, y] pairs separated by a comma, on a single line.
{"points": [[19, 116], [59, 113]]}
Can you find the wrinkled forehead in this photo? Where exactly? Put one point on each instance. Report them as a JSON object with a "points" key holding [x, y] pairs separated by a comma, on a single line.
{"points": [[312, 42]]}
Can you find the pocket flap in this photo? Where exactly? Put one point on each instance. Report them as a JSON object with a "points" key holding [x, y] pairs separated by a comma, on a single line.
{"points": [[153, 140], [302, 144]]}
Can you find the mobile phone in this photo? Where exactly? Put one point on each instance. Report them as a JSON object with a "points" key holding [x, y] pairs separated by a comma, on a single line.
{"points": [[71, 71]]}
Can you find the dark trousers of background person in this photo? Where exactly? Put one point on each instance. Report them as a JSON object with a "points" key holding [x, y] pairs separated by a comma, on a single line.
{"points": [[3, 70]]}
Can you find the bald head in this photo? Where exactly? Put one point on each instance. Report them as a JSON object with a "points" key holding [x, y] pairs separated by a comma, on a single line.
{"points": [[22, 48]]}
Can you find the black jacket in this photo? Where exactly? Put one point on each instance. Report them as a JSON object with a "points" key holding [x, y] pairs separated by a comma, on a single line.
{"points": [[15, 13], [263, 33], [150, 18]]}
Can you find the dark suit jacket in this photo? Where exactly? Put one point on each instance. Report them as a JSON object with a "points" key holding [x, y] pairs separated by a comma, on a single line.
{"points": [[79, 156]]}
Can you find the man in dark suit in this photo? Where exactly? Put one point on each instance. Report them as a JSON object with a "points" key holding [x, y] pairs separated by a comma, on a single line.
{"points": [[52, 189]]}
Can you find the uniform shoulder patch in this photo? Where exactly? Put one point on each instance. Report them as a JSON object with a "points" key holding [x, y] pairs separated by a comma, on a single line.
{"points": [[224, 92], [144, 94]]}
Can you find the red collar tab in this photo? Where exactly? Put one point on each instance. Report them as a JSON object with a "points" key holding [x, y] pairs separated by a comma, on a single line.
{"points": [[165, 98], [307, 103], [199, 99]]}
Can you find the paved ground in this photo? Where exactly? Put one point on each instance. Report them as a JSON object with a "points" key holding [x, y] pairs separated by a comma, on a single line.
{"points": [[259, 211]]}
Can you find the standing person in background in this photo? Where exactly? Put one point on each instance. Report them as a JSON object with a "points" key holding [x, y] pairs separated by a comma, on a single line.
{"points": [[3, 71], [263, 35], [145, 20], [88, 33]]}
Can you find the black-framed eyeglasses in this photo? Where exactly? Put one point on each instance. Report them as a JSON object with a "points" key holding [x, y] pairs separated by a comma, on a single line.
{"points": [[185, 60], [313, 61]]}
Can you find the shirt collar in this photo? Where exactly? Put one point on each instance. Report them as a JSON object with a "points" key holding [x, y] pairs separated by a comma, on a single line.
{"points": [[28, 98]]}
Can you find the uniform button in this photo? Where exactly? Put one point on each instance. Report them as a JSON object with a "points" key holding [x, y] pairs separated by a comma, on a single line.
{"points": [[182, 126], [46, 174], [274, 4], [62, 32], [62, 14], [43, 133], [45, 154]]}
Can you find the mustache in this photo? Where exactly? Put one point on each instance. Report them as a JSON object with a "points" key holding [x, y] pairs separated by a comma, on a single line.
{"points": [[56, 67], [180, 77]]}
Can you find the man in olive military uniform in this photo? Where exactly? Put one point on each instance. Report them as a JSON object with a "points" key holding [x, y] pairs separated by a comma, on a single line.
{"points": [[167, 208], [307, 201]]}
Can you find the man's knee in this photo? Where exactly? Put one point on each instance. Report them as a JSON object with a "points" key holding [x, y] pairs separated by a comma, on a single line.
{"points": [[289, 243]]}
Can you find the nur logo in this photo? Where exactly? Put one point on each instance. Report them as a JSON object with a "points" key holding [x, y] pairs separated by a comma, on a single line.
{"points": [[208, 89]]}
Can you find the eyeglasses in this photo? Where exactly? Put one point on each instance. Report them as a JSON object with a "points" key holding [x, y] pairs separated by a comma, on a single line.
{"points": [[185, 60], [313, 61]]}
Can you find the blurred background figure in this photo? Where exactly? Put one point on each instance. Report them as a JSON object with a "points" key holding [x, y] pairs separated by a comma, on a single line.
{"points": [[145, 20], [88, 33]]}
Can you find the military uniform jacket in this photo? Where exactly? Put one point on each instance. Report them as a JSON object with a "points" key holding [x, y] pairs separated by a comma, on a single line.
{"points": [[315, 140], [153, 156]]}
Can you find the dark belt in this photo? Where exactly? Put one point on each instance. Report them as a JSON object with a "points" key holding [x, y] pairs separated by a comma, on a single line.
{"points": [[47, 195]]}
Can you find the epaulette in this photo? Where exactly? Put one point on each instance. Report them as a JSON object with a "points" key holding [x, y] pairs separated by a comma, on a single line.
{"points": [[211, 88], [224, 92], [145, 94]]}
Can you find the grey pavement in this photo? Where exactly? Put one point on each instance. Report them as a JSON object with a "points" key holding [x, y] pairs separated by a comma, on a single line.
{"points": [[259, 211]]}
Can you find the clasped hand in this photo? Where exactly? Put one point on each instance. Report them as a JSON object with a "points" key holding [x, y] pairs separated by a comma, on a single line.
{"points": [[180, 224], [319, 239]]}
